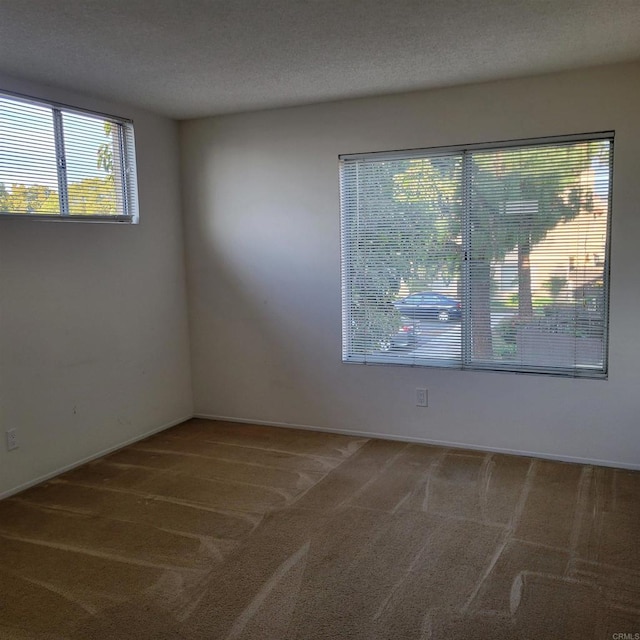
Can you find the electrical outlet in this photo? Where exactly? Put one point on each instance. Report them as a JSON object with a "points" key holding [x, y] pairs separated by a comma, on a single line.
{"points": [[12, 439], [421, 398]]}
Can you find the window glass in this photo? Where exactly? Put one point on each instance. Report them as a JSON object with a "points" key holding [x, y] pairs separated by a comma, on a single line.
{"points": [[63, 163], [501, 251]]}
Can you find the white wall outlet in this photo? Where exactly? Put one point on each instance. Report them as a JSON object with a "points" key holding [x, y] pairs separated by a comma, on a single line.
{"points": [[12, 439], [422, 398]]}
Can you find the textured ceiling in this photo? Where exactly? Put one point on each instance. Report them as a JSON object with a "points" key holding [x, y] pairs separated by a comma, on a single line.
{"points": [[188, 58]]}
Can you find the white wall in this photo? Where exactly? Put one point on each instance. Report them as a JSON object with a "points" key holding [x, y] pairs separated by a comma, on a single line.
{"points": [[260, 197], [93, 328]]}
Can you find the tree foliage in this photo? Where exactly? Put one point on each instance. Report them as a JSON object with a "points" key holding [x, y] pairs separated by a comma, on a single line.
{"points": [[20, 198], [105, 151], [91, 196]]}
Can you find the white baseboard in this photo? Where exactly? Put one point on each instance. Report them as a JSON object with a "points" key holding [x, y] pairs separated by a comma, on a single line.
{"points": [[439, 443], [104, 452]]}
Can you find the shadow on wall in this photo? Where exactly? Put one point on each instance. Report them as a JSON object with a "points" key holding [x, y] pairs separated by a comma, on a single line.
{"points": [[258, 331]]}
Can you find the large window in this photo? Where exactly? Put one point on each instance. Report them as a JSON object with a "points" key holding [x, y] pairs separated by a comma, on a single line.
{"points": [[57, 162], [481, 257]]}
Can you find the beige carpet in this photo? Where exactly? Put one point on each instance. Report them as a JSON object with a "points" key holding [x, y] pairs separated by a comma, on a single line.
{"points": [[216, 530]]}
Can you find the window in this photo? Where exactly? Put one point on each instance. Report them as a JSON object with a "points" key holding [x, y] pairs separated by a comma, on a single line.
{"points": [[486, 252], [58, 162]]}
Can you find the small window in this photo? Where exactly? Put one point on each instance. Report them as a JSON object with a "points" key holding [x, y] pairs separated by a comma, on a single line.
{"points": [[498, 253], [61, 163]]}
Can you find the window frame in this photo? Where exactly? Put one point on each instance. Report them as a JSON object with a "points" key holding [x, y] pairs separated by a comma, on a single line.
{"points": [[127, 176], [466, 361]]}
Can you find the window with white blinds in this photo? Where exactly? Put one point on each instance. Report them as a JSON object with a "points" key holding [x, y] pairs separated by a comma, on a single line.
{"points": [[479, 257], [62, 163]]}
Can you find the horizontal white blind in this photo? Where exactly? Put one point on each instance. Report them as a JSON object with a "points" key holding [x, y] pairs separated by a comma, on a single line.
{"points": [[59, 162], [401, 234], [480, 258], [538, 256]]}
